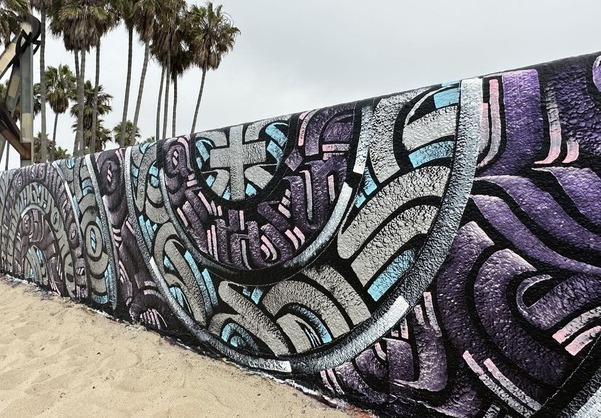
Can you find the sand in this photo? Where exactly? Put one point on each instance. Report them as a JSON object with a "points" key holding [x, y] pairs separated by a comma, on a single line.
{"points": [[59, 358]]}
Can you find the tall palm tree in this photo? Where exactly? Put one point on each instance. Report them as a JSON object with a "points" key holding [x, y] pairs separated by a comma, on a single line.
{"points": [[78, 22], [181, 60], [38, 143], [158, 117], [213, 36], [104, 23], [43, 6], [61, 83], [166, 40], [146, 23], [126, 11], [104, 107], [11, 16]]}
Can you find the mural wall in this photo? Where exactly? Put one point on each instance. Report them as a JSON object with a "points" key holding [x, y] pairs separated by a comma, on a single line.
{"points": [[433, 252]]}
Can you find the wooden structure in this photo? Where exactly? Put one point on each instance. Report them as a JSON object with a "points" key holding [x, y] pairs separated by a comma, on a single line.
{"points": [[17, 102]]}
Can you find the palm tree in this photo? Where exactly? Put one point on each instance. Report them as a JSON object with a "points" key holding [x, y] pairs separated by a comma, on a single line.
{"points": [[103, 107], [181, 60], [130, 132], [43, 6], [158, 118], [104, 23], [78, 22], [147, 17], [126, 11], [11, 16], [38, 143], [166, 40], [145, 23], [61, 83], [61, 153], [213, 36]]}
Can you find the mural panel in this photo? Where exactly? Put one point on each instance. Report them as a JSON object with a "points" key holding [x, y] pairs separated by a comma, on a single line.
{"points": [[429, 252]]}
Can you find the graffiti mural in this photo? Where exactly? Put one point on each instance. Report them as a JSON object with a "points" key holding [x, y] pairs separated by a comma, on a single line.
{"points": [[433, 252]]}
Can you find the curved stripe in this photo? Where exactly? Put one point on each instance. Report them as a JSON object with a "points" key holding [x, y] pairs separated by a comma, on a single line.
{"points": [[432, 152], [576, 324], [82, 241], [501, 324], [583, 340], [295, 292], [252, 318], [381, 145], [580, 184], [331, 280], [391, 274], [498, 213], [426, 181], [390, 238], [430, 127], [544, 210], [553, 307]]}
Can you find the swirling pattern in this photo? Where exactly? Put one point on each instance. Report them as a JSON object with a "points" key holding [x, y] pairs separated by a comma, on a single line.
{"points": [[429, 252]]}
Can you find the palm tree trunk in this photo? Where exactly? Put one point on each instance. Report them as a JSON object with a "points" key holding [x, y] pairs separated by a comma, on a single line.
{"points": [[76, 65], [53, 150], [167, 83], [132, 139], [202, 86], [174, 118], [44, 139], [95, 102], [77, 71], [158, 124], [81, 101], [127, 85], [7, 155]]}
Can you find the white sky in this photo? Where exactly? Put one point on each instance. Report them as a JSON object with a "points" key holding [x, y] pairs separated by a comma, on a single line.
{"points": [[298, 55]]}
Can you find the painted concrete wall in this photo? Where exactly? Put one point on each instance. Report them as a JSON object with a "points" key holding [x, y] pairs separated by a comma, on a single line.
{"points": [[433, 251]]}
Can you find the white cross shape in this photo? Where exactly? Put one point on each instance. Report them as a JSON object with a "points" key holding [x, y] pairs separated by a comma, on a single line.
{"points": [[234, 157]]}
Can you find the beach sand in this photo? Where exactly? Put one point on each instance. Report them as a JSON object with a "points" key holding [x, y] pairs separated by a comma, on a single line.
{"points": [[59, 358]]}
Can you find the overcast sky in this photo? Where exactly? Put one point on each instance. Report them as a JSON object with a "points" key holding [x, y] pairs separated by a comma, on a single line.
{"points": [[298, 55]]}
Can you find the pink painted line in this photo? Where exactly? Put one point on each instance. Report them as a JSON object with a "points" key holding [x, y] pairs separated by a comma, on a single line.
{"points": [[573, 151], [510, 386], [576, 325], [583, 340], [292, 238], [495, 117], [205, 202], [182, 217], [484, 127], [554, 129]]}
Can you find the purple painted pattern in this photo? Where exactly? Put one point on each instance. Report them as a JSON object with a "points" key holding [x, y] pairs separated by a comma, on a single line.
{"points": [[516, 307]]}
